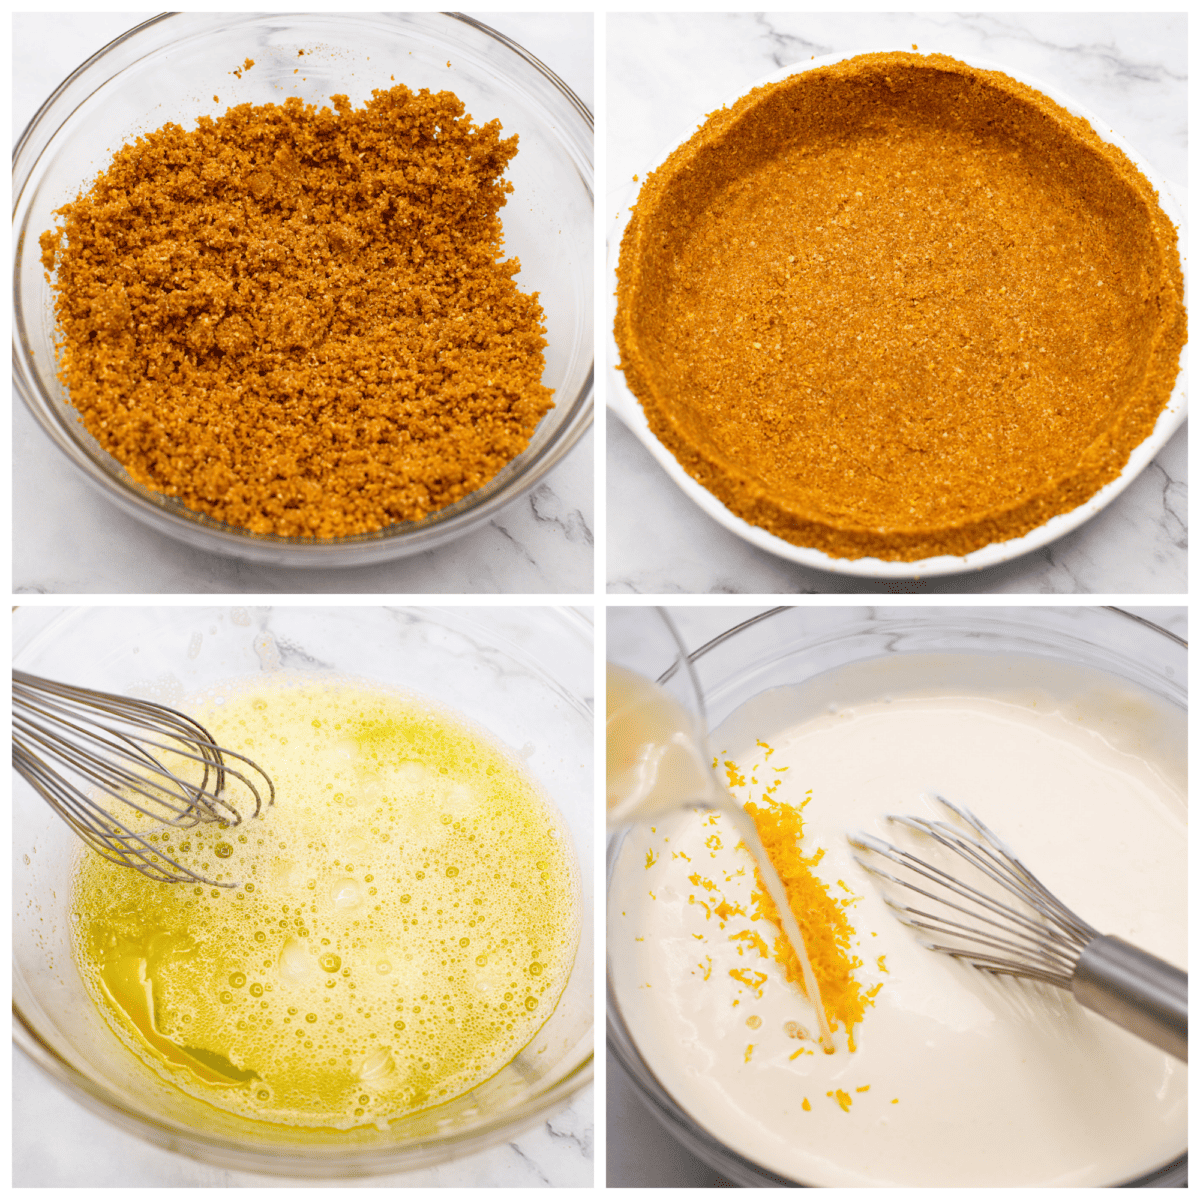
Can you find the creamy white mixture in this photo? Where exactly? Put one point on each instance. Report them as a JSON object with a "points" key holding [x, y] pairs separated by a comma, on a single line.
{"points": [[958, 1079]]}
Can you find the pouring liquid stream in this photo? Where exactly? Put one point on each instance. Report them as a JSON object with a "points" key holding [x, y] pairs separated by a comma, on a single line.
{"points": [[657, 763]]}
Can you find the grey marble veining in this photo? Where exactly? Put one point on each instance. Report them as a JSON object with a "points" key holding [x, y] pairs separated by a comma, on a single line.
{"points": [[640, 1151], [68, 539], [667, 70], [58, 1143], [525, 673]]}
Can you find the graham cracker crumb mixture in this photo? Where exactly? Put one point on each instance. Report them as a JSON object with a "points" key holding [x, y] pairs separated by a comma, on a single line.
{"points": [[298, 321], [900, 307]]}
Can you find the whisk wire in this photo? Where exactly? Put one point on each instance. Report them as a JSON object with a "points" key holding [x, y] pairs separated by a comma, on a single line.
{"points": [[998, 863], [1031, 931], [120, 782], [82, 722], [950, 882], [995, 868], [153, 717], [137, 752], [999, 938], [1125, 985], [101, 830], [1037, 895], [1037, 954]]}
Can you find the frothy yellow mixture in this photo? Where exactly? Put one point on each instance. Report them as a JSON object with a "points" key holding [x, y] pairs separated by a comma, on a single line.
{"points": [[405, 919]]}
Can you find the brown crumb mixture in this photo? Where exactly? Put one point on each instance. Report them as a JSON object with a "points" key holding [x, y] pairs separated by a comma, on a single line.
{"points": [[899, 307], [298, 321]]}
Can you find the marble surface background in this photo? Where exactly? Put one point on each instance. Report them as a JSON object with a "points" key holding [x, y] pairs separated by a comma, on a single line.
{"points": [[639, 1150], [68, 539], [59, 1143], [666, 71]]}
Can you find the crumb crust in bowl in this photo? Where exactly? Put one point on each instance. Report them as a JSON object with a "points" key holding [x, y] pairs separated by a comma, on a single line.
{"points": [[298, 321], [165, 70], [899, 307]]}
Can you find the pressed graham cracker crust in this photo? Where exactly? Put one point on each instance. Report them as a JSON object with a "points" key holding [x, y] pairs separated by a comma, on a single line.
{"points": [[899, 306]]}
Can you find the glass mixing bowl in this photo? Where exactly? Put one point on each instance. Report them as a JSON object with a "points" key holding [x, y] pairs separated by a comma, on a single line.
{"points": [[790, 645], [524, 674], [168, 69]]}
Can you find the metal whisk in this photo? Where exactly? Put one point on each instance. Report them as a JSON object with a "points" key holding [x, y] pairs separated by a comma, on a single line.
{"points": [[1049, 942], [72, 744]]}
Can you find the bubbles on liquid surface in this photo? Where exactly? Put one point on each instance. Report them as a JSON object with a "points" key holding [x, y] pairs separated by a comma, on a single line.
{"points": [[412, 774], [346, 893], [377, 1066], [295, 965], [355, 955]]}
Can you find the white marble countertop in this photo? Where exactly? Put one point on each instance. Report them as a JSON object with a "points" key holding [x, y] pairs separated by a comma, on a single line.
{"points": [[66, 539], [57, 1142], [666, 70], [639, 1150]]}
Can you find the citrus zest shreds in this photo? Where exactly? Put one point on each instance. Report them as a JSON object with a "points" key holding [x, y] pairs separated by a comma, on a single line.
{"points": [[822, 920], [755, 984], [755, 940]]}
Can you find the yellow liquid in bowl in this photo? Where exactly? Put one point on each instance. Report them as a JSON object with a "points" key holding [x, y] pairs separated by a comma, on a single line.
{"points": [[406, 917]]}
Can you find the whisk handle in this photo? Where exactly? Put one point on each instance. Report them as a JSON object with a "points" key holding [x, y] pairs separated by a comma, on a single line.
{"points": [[1135, 990]]}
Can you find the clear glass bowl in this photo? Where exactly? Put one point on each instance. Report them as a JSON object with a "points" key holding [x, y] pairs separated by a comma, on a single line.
{"points": [[791, 645], [168, 69], [524, 674]]}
